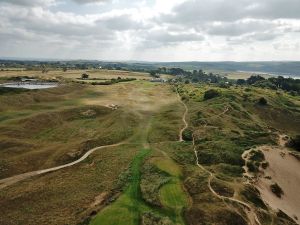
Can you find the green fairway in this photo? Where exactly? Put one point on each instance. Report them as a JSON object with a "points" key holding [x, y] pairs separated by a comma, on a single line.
{"points": [[127, 208], [173, 196]]}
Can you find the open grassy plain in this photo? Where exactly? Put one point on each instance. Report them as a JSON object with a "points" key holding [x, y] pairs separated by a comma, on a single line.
{"points": [[75, 74]]}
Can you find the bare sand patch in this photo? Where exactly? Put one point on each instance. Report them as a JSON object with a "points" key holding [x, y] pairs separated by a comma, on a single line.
{"points": [[284, 169]]}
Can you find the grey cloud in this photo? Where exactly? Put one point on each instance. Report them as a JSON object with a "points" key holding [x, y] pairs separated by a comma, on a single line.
{"points": [[90, 1], [29, 2], [44, 23], [239, 27], [121, 23], [253, 37], [166, 37], [193, 12], [160, 38]]}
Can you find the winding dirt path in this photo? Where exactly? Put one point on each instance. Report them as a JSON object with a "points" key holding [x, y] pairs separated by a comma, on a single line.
{"points": [[183, 118], [17, 178], [250, 212]]}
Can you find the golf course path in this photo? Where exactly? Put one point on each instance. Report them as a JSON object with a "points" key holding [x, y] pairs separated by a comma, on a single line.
{"points": [[250, 212], [183, 118], [14, 179]]}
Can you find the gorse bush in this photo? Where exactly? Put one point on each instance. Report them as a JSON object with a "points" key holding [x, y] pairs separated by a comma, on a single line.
{"points": [[276, 189], [295, 142], [262, 101], [187, 135], [212, 93]]}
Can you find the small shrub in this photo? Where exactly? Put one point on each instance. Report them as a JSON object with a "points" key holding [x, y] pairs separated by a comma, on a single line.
{"points": [[295, 142], [276, 189], [257, 156], [262, 101], [265, 165], [187, 135], [184, 98], [211, 94], [284, 216], [149, 218], [252, 167], [253, 195]]}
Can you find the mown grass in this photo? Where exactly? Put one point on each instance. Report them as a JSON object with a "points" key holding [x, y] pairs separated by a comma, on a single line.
{"points": [[172, 195], [128, 208]]}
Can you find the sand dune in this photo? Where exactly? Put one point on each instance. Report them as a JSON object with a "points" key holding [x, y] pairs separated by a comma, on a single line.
{"points": [[284, 169]]}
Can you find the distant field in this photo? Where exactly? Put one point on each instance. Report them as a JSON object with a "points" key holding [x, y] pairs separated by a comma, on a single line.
{"points": [[73, 74]]}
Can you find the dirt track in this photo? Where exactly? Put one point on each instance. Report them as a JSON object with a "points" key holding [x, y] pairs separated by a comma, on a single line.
{"points": [[183, 118], [14, 179]]}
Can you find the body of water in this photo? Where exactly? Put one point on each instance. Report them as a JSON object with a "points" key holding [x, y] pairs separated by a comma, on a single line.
{"points": [[271, 74], [28, 85]]}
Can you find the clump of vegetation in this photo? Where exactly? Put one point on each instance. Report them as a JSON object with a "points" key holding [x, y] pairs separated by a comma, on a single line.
{"points": [[264, 165], [256, 159], [184, 97], [84, 76], [282, 215], [187, 134], [150, 218], [251, 194], [287, 84], [276, 189], [252, 166], [123, 179], [229, 170], [154, 74], [114, 81], [152, 179], [257, 156], [212, 93], [295, 142], [222, 188], [262, 101], [5, 90]]}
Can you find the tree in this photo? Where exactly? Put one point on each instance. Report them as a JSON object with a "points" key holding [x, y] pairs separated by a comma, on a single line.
{"points": [[254, 78], [240, 82], [85, 76], [65, 69], [154, 74]]}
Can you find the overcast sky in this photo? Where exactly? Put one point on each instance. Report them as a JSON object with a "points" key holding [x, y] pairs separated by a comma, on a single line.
{"points": [[152, 30]]}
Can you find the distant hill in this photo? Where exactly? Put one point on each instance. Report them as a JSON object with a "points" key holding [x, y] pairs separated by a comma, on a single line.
{"points": [[276, 68], [285, 68]]}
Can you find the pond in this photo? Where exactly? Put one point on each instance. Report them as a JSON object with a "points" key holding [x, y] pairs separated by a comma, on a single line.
{"points": [[28, 85]]}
